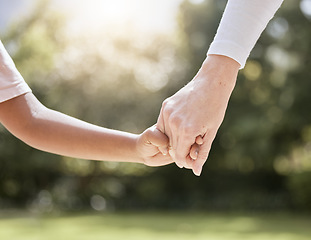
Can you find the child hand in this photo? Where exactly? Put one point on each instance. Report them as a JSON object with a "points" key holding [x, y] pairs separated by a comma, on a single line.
{"points": [[152, 146]]}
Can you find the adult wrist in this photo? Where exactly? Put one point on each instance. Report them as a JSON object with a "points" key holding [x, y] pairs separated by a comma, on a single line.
{"points": [[222, 63], [218, 71]]}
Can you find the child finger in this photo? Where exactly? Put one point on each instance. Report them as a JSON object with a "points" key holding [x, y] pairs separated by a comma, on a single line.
{"points": [[194, 151], [199, 140]]}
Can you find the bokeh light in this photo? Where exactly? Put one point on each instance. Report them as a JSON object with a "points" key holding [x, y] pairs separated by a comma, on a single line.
{"points": [[117, 15]]}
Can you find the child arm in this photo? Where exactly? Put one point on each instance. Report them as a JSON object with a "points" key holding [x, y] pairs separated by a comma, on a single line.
{"points": [[54, 132]]}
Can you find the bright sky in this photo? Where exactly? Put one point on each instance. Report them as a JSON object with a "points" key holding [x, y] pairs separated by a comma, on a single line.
{"points": [[143, 15], [146, 15], [94, 15]]}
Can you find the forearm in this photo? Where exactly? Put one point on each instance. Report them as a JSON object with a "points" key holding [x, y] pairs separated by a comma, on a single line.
{"points": [[242, 24], [218, 72], [58, 133], [68, 136]]}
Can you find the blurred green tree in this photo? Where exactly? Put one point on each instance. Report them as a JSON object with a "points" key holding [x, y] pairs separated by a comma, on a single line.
{"points": [[111, 79], [119, 80]]}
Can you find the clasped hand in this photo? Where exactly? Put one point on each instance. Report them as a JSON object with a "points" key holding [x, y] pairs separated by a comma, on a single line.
{"points": [[192, 116]]}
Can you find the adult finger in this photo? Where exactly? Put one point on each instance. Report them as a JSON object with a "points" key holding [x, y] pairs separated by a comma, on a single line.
{"points": [[163, 124], [182, 150], [189, 162], [168, 149], [160, 122], [201, 159], [172, 154], [161, 127], [203, 153]]}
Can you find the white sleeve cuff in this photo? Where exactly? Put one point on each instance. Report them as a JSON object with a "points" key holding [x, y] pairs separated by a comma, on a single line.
{"points": [[241, 25]]}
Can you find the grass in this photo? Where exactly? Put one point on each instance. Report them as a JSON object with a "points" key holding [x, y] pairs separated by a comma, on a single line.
{"points": [[155, 226]]}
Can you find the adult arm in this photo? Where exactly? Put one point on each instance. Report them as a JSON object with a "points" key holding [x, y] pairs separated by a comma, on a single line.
{"points": [[198, 109]]}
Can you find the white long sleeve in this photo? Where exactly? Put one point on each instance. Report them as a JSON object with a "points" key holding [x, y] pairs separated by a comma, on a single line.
{"points": [[241, 25]]}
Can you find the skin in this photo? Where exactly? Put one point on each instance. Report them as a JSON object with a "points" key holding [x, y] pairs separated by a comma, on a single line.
{"points": [[193, 115], [54, 132]]}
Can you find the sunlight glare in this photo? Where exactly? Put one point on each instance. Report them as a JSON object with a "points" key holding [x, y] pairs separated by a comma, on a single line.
{"points": [[120, 15], [305, 6]]}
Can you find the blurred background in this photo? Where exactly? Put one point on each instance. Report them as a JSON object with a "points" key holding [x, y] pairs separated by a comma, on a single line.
{"points": [[112, 63]]}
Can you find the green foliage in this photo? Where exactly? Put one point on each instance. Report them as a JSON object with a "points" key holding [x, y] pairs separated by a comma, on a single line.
{"points": [[119, 80], [150, 225], [300, 187]]}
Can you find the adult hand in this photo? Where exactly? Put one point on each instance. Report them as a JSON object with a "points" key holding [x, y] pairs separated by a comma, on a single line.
{"points": [[198, 110]]}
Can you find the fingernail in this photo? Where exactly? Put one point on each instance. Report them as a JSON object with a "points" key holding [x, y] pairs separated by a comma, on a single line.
{"points": [[197, 171], [196, 154], [180, 166]]}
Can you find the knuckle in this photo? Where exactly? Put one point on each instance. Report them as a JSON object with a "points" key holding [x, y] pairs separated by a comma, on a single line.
{"points": [[147, 133], [167, 110], [175, 120], [165, 102], [189, 130]]}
